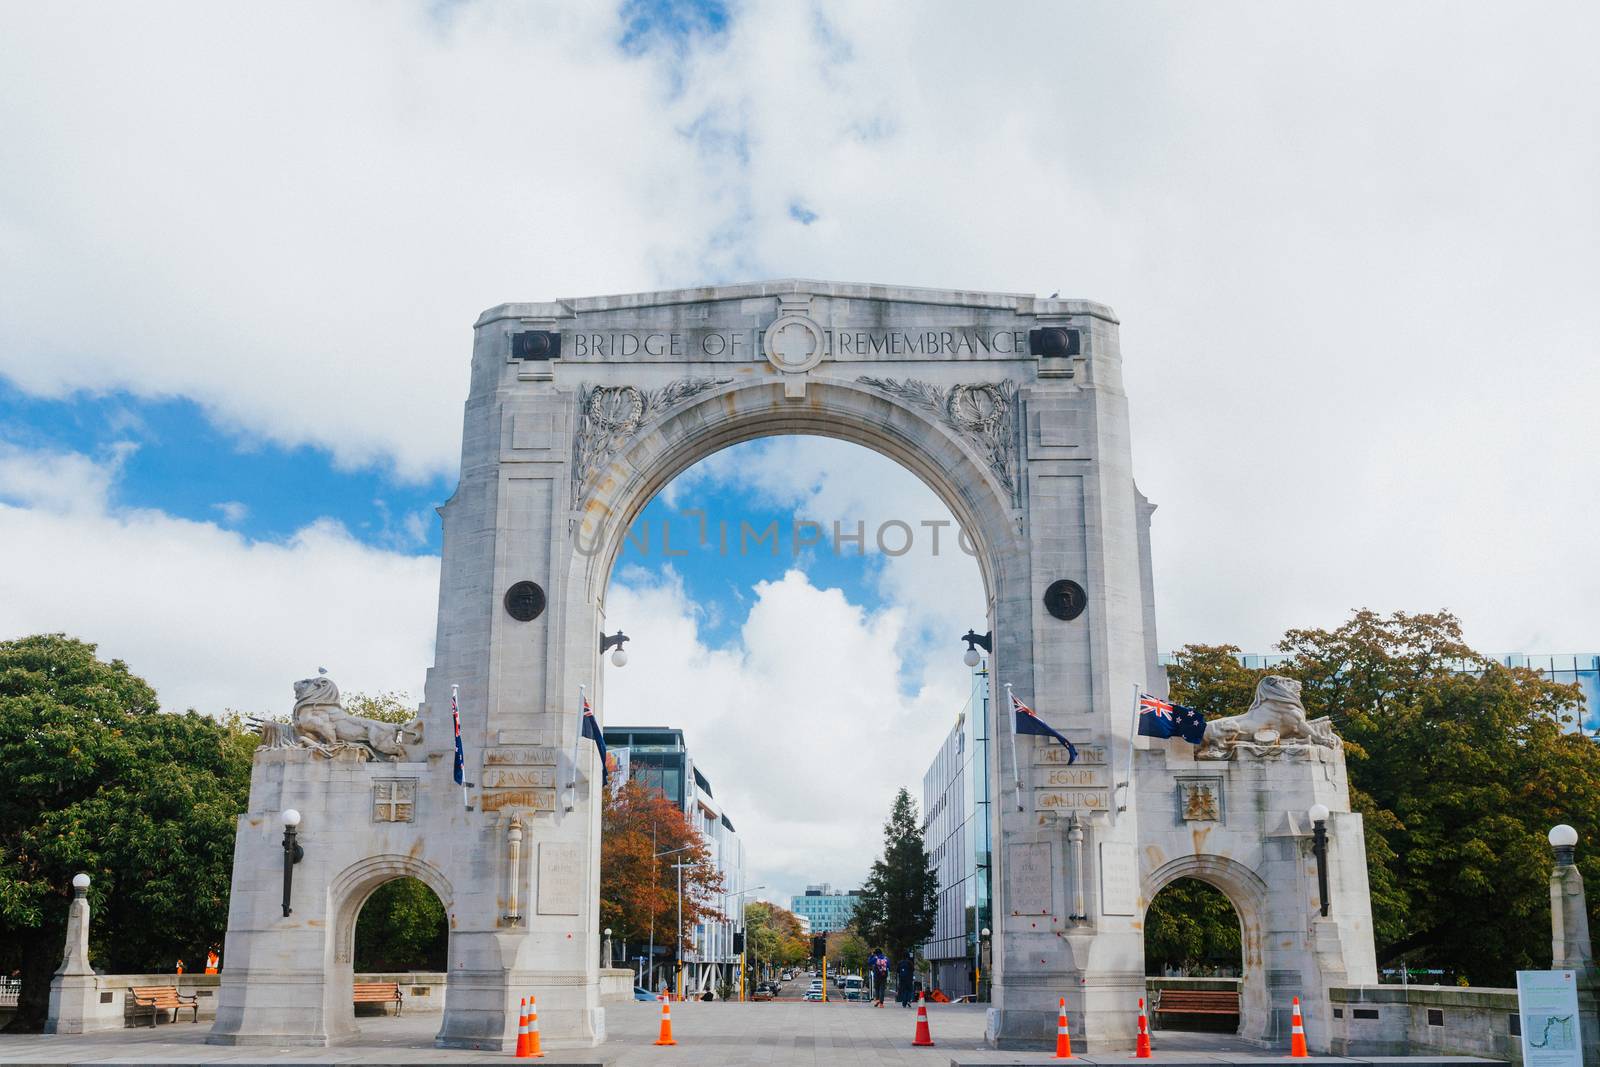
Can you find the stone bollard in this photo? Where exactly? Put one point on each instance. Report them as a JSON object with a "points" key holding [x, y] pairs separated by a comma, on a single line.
{"points": [[1569, 934], [74, 988]]}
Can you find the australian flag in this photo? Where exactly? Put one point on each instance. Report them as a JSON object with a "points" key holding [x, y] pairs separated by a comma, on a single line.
{"points": [[461, 756], [1030, 723], [591, 730], [1157, 718]]}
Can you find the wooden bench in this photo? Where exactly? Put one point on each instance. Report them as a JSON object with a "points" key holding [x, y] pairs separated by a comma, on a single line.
{"points": [[154, 1000], [379, 993], [1197, 1002]]}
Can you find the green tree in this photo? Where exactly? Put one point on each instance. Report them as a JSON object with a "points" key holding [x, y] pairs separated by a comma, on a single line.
{"points": [[772, 936], [901, 896], [1190, 925], [392, 706], [1458, 765], [95, 778], [402, 927]]}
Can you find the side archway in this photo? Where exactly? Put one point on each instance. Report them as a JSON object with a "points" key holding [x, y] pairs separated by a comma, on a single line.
{"points": [[1248, 894], [348, 892]]}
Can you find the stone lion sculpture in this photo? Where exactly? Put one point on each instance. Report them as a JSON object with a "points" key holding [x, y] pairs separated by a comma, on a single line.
{"points": [[1276, 717], [321, 723]]}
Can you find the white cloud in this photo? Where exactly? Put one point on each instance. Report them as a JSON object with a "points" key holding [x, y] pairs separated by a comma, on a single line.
{"points": [[233, 512], [58, 482], [802, 725], [1354, 248], [211, 619], [935, 582]]}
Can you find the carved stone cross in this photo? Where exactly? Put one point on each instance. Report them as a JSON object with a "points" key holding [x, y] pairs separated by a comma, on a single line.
{"points": [[794, 344], [393, 800]]}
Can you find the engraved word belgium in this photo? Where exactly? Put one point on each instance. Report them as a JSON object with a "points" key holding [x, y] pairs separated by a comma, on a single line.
{"points": [[1012, 409]]}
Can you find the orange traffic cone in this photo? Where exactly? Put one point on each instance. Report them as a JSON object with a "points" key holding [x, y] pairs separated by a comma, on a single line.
{"points": [[666, 1024], [1063, 1034], [535, 1050], [522, 1028], [1297, 1032], [1141, 1048], [924, 1037]]}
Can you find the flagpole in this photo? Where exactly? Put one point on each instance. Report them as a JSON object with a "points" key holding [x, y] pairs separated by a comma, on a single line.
{"points": [[1133, 732], [577, 741], [455, 705], [1016, 768]]}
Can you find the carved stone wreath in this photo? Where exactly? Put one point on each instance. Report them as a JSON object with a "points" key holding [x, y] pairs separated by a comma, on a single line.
{"points": [[980, 412], [610, 415]]}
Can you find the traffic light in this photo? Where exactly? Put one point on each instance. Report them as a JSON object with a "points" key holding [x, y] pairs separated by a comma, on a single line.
{"points": [[738, 942], [819, 946]]}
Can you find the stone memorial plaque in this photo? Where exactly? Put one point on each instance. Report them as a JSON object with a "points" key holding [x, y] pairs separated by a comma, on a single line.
{"points": [[1030, 878], [1072, 799], [536, 799], [1119, 879], [560, 878], [518, 777], [1087, 754], [1057, 777], [521, 756], [394, 799]]}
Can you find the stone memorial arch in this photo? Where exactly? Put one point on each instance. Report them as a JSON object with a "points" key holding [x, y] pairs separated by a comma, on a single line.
{"points": [[1012, 409]]}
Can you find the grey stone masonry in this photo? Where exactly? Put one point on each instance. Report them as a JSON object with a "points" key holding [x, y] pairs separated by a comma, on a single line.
{"points": [[1012, 409]]}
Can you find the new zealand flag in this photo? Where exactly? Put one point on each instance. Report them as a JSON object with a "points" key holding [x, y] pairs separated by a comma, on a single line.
{"points": [[1157, 718]]}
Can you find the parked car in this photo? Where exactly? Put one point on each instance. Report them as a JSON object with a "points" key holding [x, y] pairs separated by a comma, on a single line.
{"points": [[640, 993]]}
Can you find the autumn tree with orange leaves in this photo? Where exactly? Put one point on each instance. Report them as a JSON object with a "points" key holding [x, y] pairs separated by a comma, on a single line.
{"points": [[638, 885]]}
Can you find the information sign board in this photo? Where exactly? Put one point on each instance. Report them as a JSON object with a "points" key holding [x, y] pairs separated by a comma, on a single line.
{"points": [[1551, 1032]]}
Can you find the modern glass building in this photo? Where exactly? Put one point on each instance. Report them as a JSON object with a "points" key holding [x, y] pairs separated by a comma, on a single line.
{"points": [[658, 757], [826, 908], [956, 829], [1570, 668]]}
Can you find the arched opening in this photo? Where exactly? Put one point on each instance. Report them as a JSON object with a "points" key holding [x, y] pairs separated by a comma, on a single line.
{"points": [[1193, 954], [402, 927], [776, 591], [392, 917]]}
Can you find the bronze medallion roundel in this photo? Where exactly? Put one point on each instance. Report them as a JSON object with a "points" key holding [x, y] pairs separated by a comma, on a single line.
{"points": [[525, 601], [1065, 599]]}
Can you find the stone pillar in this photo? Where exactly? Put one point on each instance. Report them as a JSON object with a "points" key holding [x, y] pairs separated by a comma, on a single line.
{"points": [[1570, 949], [73, 989]]}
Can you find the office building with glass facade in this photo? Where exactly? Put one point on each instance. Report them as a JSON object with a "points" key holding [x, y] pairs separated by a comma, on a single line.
{"points": [[956, 829], [825, 908], [658, 757]]}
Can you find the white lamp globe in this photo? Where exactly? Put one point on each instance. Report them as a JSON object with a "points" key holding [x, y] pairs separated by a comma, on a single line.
{"points": [[1318, 813], [985, 931], [1563, 836], [971, 658], [291, 818], [608, 931], [619, 658], [80, 881]]}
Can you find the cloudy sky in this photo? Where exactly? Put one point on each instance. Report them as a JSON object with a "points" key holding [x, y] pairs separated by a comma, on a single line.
{"points": [[1354, 248]]}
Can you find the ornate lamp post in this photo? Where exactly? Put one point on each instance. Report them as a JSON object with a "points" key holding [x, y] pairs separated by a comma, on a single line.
{"points": [[1319, 848], [292, 854], [619, 658], [974, 642]]}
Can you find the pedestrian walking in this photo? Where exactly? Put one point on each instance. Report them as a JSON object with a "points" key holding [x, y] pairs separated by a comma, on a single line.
{"points": [[905, 976], [878, 967]]}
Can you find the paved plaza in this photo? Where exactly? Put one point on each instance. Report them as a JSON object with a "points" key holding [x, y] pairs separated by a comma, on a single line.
{"points": [[708, 1035]]}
